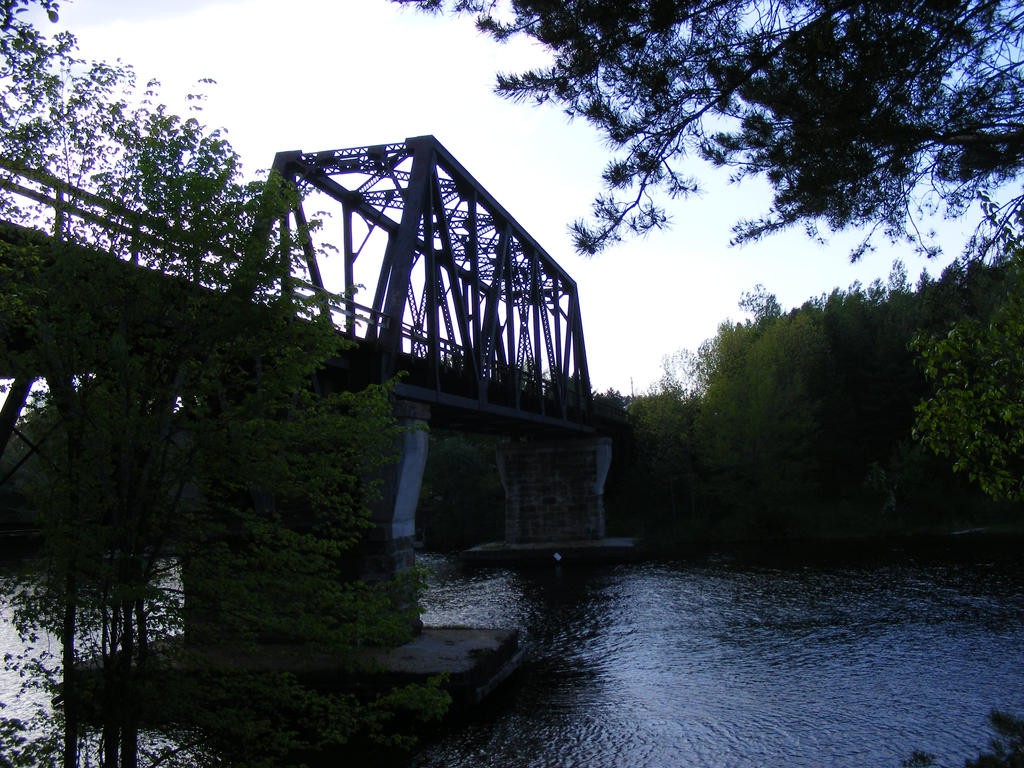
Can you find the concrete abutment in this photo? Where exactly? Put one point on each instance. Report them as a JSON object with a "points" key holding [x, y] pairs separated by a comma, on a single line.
{"points": [[387, 549]]}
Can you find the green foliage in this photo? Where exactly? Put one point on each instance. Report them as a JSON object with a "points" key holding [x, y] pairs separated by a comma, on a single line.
{"points": [[611, 400], [191, 483], [658, 490], [758, 416], [289, 722], [391, 715], [761, 304], [58, 111], [799, 424], [1007, 748], [849, 110], [975, 415], [462, 502]]}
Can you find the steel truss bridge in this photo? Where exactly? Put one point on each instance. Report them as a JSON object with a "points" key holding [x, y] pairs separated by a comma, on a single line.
{"points": [[483, 324], [444, 293]]}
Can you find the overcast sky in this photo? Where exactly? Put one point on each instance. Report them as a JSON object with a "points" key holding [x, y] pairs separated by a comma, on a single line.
{"points": [[329, 74]]}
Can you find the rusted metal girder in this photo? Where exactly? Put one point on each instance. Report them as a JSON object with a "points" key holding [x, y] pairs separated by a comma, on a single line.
{"points": [[464, 300]]}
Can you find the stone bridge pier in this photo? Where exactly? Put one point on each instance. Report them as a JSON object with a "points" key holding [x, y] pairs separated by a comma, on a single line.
{"points": [[554, 490], [554, 494]]}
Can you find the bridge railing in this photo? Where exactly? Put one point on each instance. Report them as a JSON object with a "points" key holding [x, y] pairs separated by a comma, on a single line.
{"points": [[37, 199], [350, 317]]}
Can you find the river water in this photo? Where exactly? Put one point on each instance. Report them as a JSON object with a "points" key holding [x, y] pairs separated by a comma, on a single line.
{"points": [[813, 656], [793, 657]]}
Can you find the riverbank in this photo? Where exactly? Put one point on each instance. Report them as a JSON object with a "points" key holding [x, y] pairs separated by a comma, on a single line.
{"points": [[469, 663], [692, 540]]}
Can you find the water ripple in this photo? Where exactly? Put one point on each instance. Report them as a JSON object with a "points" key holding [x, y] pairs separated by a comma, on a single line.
{"points": [[724, 662]]}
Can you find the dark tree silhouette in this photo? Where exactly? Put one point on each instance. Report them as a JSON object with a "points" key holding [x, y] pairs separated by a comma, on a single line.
{"points": [[857, 114]]}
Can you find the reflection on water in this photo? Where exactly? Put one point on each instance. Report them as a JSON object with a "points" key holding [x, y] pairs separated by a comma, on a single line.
{"points": [[744, 660], [22, 693], [739, 660]]}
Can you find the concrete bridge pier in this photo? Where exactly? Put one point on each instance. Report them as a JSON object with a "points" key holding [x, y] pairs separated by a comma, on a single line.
{"points": [[387, 550], [554, 490]]}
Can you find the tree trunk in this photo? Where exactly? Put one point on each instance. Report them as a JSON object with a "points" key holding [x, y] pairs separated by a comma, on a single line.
{"points": [[70, 689]]}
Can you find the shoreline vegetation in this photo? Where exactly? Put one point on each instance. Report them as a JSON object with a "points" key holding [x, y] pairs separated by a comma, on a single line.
{"points": [[815, 423]]}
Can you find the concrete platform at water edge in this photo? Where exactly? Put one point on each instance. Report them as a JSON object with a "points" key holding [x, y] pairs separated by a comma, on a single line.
{"points": [[611, 550], [475, 661]]}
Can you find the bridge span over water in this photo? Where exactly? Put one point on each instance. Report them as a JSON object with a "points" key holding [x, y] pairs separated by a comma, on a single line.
{"points": [[444, 293], [484, 323]]}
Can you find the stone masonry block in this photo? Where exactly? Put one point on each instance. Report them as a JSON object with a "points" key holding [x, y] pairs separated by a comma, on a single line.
{"points": [[554, 490]]}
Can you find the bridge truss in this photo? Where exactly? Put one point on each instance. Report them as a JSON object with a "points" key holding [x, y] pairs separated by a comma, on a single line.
{"points": [[464, 301]]}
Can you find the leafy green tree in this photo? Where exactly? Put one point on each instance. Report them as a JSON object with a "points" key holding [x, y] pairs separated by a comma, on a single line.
{"points": [[612, 400], [975, 415], [662, 481], [857, 114], [194, 484], [801, 423], [873, 383], [761, 304], [462, 502], [759, 415]]}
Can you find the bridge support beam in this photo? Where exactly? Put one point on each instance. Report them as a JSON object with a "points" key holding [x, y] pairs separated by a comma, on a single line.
{"points": [[554, 490], [17, 396], [387, 550]]}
